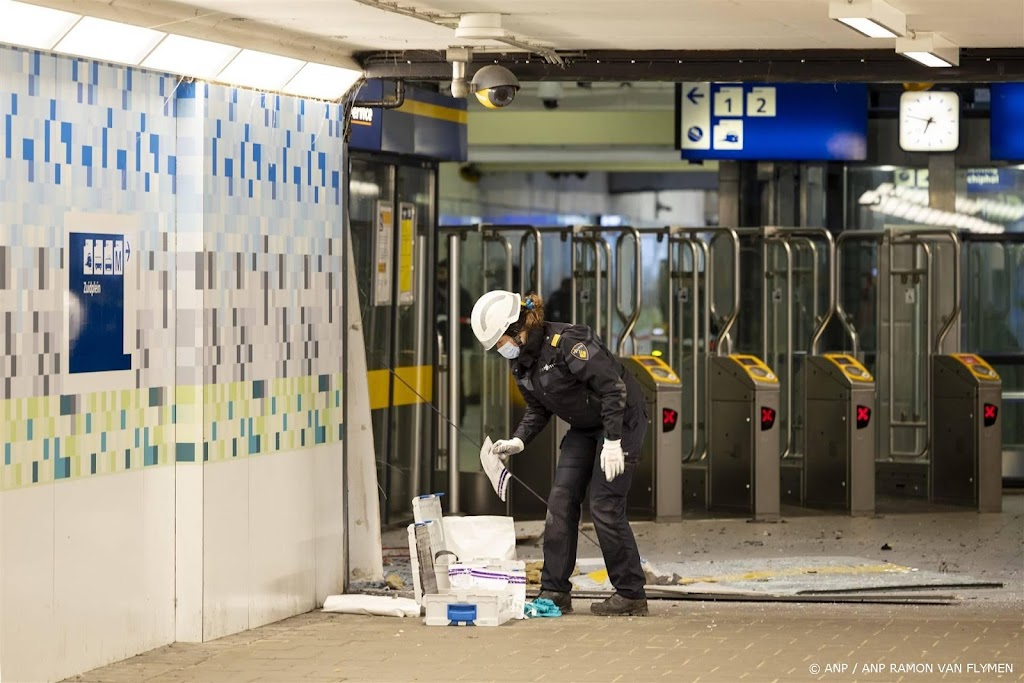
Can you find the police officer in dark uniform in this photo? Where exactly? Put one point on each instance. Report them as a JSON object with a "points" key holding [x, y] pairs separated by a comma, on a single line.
{"points": [[565, 370]]}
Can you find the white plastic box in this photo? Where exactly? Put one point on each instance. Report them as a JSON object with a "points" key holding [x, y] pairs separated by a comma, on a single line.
{"points": [[465, 608]]}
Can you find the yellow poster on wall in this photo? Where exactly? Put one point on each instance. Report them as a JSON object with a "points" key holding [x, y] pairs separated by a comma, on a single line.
{"points": [[406, 253], [383, 241]]}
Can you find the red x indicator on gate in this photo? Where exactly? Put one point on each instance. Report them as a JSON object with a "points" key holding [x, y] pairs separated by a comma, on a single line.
{"points": [[669, 418], [767, 418], [990, 414], [863, 416]]}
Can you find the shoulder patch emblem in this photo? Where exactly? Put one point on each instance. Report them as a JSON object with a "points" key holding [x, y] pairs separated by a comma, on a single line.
{"points": [[580, 351]]}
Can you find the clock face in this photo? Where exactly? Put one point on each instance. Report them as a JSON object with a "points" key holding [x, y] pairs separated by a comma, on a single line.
{"points": [[929, 121]]}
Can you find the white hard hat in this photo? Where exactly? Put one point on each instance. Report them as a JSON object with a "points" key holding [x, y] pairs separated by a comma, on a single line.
{"points": [[492, 315]]}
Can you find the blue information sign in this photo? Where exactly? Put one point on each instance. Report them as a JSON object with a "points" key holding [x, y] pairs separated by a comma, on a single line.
{"points": [[96, 286], [1007, 125], [783, 121]]}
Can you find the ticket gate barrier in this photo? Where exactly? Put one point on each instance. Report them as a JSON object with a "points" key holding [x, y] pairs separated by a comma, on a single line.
{"points": [[657, 487], [839, 438], [743, 446], [966, 438]]}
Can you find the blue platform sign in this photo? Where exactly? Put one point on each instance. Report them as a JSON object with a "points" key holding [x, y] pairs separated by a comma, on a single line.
{"points": [[96, 287], [1007, 124], [773, 122]]}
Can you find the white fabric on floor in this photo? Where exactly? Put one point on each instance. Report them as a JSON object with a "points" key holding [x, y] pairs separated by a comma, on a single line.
{"points": [[375, 605]]}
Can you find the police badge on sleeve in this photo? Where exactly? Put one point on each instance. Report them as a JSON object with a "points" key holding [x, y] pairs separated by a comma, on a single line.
{"points": [[580, 351]]}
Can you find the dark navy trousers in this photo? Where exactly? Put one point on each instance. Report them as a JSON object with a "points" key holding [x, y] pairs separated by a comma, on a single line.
{"points": [[579, 469]]}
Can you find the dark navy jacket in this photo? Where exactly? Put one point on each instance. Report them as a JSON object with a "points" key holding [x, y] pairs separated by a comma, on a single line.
{"points": [[565, 370]]}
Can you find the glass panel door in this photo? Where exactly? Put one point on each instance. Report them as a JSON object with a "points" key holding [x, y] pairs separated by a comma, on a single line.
{"points": [[414, 342], [393, 215]]}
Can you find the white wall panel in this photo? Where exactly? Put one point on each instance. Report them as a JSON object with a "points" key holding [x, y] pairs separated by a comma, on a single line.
{"points": [[226, 580], [188, 541], [330, 522], [113, 591], [282, 536], [26, 575], [273, 538], [158, 548]]}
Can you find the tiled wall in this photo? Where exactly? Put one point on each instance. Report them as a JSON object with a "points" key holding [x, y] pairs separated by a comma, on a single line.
{"points": [[77, 137], [259, 351], [259, 273], [198, 493]]}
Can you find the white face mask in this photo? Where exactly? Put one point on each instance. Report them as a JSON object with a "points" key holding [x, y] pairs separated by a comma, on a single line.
{"points": [[509, 350]]}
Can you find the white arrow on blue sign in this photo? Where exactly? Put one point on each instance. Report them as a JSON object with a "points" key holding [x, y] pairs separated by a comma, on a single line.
{"points": [[696, 116]]}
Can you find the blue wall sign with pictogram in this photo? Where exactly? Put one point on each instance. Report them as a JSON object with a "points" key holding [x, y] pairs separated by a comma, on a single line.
{"points": [[96, 270], [767, 122]]}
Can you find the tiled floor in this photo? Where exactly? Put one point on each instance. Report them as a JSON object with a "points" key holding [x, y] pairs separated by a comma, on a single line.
{"points": [[977, 639], [678, 642]]}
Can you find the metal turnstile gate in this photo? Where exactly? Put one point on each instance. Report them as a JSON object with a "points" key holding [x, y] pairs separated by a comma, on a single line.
{"points": [[743, 448], [839, 438], [966, 439], [657, 488]]}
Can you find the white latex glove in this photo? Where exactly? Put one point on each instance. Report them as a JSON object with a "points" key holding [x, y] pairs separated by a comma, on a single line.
{"points": [[506, 447], [613, 462]]}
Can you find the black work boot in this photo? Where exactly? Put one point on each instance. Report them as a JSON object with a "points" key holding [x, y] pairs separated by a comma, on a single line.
{"points": [[562, 600], [619, 606]]}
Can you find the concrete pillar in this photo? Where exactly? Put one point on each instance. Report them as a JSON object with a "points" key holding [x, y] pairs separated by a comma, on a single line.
{"points": [[813, 196], [942, 181], [729, 193]]}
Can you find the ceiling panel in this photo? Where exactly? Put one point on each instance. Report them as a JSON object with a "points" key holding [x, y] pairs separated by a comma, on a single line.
{"points": [[637, 25]]}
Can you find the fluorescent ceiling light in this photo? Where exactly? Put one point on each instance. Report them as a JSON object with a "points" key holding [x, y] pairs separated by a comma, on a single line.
{"points": [[868, 27], [929, 49], [322, 81], [190, 57], [259, 70], [872, 18], [928, 59], [31, 26], [109, 41]]}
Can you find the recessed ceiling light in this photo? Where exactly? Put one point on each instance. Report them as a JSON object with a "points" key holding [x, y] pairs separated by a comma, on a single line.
{"points": [[322, 81], [190, 56], [33, 26], [253, 69], [109, 41]]}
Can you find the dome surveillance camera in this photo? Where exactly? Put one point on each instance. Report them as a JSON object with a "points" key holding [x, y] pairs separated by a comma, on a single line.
{"points": [[495, 86]]}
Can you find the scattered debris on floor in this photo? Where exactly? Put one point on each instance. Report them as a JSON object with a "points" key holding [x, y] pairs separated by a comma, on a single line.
{"points": [[787, 576], [533, 571]]}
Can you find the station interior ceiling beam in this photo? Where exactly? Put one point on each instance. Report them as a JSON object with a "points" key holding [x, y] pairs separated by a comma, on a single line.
{"points": [[768, 66]]}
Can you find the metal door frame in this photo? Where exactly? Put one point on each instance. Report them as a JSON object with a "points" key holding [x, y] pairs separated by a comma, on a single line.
{"points": [[889, 239], [424, 246], [449, 373]]}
